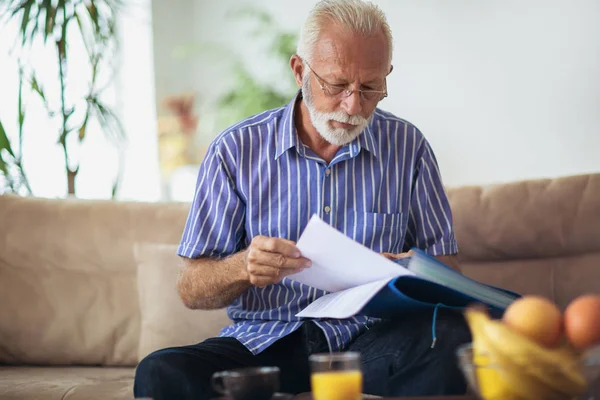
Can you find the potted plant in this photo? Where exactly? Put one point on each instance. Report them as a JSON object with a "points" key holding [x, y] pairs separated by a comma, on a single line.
{"points": [[53, 24]]}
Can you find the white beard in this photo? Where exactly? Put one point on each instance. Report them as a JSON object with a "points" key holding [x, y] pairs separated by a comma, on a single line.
{"points": [[321, 121]]}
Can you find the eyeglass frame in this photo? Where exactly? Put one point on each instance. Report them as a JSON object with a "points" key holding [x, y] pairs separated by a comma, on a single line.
{"points": [[325, 87]]}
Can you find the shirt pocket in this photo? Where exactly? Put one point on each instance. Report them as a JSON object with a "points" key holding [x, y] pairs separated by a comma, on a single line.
{"points": [[381, 232]]}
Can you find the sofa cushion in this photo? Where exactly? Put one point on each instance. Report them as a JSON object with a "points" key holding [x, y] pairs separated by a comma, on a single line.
{"points": [[559, 278], [537, 236], [166, 322], [541, 218], [68, 277], [68, 383]]}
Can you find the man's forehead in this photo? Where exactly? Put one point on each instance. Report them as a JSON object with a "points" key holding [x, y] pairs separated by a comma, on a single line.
{"points": [[339, 63], [344, 48]]}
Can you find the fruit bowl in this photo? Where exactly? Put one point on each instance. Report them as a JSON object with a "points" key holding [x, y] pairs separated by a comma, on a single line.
{"points": [[494, 379]]}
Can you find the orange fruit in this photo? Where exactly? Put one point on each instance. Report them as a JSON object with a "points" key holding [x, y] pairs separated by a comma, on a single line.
{"points": [[582, 321], [536, 318]]}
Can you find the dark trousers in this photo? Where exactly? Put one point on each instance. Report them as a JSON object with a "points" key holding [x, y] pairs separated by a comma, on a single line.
{"points": [[397, 360]]}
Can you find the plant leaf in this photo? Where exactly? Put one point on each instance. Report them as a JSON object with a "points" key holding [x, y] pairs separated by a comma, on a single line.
{"points": [[109, 121], [26, 7], [50, 18], [93, 13], [4, 142], [83, 127], [36, 22], [4, 169], [116, 184], [37, 88], [82, 31], [4, 166], [21, 113]]}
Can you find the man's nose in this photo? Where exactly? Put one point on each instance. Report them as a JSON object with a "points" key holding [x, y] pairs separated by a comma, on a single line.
{"points": [[351, 104]]}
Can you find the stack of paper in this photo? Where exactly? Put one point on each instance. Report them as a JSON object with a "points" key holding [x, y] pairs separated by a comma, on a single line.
{"points": [[359, 278]]}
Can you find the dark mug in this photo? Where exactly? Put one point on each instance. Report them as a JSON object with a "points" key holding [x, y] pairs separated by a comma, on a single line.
{"points": [[253, 383]]}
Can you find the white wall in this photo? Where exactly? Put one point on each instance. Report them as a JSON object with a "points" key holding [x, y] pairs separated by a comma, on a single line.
{"points": [[504, 90], [137, 104]]}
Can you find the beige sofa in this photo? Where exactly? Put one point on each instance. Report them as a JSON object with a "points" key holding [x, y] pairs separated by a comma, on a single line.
{"points": [[87, 287]]}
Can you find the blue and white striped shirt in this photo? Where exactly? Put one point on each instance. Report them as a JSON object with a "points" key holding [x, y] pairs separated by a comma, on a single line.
{"points": [[383, 190]]}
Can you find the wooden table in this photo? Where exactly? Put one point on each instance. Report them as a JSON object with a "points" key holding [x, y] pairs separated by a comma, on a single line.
{"points": [[307, 396]]}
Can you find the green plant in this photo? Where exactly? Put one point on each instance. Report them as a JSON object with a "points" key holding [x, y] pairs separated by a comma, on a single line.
{"points": [[49, 23], [12, 174], [248, 94]]}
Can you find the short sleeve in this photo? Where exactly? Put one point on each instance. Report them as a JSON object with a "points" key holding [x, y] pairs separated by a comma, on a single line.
{"points": [[214, 226], [430, 226]]}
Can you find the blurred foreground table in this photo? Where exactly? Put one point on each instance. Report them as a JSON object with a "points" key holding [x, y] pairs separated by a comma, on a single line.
{"points": [[307, 396]]}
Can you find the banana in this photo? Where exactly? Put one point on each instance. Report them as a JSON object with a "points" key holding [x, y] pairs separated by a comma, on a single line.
{"points": [[558, 368], [491, 384], [520, 379], [524, 369]]}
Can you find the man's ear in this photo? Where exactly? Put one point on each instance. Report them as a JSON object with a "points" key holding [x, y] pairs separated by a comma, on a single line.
{"points": [[297, 67], [391, 69]]}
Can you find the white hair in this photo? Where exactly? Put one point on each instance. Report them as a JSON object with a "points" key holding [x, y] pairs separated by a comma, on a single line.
{"points": [[361, 17]]}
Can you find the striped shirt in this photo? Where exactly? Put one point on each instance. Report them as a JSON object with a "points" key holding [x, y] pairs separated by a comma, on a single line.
{"points": [[383, 190]]}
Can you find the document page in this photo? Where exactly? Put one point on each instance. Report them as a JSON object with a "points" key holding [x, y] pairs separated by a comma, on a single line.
{"points": [[343, 304], [338, 262]]}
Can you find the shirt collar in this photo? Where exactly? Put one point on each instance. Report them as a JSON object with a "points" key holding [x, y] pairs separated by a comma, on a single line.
{"points": [[366, 139], [287, 135]]}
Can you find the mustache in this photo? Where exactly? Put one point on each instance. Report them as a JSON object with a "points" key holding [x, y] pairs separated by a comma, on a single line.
{"points": [[341, 116]]}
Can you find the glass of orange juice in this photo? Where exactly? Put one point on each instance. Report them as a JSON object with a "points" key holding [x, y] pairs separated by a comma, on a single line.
{"points": [[336, 376]]}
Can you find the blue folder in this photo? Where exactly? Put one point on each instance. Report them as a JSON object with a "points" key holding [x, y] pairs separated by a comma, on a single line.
{"points": [[436, 285]]}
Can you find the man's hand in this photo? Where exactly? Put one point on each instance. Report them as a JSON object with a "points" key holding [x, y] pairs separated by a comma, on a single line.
{"points": [[269, 260], [392, 256], [450, 260]]}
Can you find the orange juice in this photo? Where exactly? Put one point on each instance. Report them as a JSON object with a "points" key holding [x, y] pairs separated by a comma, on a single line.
{"points": [[336, 385]]}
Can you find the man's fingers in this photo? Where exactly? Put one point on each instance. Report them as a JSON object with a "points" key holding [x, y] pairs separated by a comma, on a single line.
{"points": [[262, 275], [271, 259], [256, 256], [283, 262], [276, 245], [263, 270], [397, 256], [286, 272], [261, 281], [272, 272]]}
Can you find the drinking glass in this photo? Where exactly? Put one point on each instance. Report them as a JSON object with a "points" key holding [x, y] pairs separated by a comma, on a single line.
{"points": [[336, 376]]}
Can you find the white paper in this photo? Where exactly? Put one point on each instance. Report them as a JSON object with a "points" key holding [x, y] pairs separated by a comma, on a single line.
{"points": [[343, 304], [338, 262]]}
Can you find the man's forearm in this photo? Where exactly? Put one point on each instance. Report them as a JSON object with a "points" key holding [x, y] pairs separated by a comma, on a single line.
{"points": [[207, 283]]}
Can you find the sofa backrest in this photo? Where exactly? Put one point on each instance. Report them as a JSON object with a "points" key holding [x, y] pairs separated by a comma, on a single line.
{"points": [[68, 277], [535, 237], [68, 274]]}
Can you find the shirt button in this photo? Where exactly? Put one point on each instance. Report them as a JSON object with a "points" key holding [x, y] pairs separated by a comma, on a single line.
{"points": [[327, 172], [327, 209]]}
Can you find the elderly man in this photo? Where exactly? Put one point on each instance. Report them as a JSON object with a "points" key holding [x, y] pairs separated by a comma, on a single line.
{"points": [[330, 152]]}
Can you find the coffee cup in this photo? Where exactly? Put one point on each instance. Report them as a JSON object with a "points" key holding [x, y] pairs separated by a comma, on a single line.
{"points": [[252, 383]]}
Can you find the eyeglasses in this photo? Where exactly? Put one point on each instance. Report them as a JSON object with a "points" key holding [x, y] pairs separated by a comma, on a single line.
{"points": [[343, 91]]}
